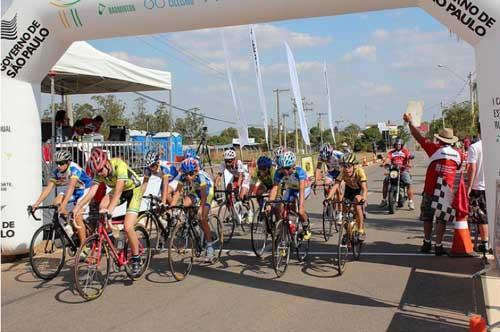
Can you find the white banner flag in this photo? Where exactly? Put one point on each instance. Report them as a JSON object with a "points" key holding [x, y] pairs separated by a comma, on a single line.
{"points": [[260, 89], [330, 115], [297, 94], [241, 124]]}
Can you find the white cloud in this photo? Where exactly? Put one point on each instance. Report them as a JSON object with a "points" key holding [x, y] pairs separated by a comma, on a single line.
{"points": [[376, 89], [363, 52], [439, 84], [147, 62], [302, 67]]}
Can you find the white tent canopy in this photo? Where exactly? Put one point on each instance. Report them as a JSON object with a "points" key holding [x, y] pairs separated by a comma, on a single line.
{"points": [[85, 70]]}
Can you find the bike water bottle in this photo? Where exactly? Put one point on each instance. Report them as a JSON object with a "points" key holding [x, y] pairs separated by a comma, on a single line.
{"points": [[292, 227], [68, 229], [120, 242]]}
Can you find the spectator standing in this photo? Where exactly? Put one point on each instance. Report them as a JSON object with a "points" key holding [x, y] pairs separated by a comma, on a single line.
{"points": [[61, 121], [476, 188], [445, 161]]}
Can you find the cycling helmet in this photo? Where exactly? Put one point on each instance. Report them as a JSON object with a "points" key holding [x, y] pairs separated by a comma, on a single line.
{"points": [[62, 156], [399, 141], [264, 162], [190, 153], [189, 165], [349, 158], [278, 152], [229, 154], [98, 159], [151, 158], [326, 151], [287, 159]]}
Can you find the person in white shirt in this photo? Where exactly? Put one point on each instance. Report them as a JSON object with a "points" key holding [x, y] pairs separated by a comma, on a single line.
{"points": [[476, 188]]}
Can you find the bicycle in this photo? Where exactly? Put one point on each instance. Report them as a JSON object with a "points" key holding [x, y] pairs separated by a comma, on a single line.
{"points": [[233, 212], [188, 241], [286, 237], [158, 224], [330, 213], [349, 237], [93, 259], [48, 245], [260, 229]]}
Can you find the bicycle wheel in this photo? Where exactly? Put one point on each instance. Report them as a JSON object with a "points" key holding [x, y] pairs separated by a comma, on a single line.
{"points": [[356, 243], [181, 251], [227, 218], [328, 220], [47, 252], [342, 249], [217, 236], [144, 252], [281, 247], [259, 234], [150, 223], [92, 268]]}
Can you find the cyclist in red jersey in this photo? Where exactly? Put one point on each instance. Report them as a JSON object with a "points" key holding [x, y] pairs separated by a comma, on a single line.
{"points": [[399, 156], [445, 161]]}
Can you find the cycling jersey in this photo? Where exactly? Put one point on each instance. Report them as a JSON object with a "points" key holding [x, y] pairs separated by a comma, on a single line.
{"points": [[119, 171], [445, 161], [401, 157], [166, 169], [354, 181], [73, 171], [234, 170], [201, 182], [292, 181], [267, 179], [333, 163]]}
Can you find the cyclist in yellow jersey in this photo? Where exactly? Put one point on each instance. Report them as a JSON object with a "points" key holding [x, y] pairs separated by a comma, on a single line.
{"points": [[262, 177], [356, 188], [125, 186]]}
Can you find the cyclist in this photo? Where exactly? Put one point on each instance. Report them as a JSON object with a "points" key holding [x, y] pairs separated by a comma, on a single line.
{"points": [[345, 148], [72, 183], [126, 187], [235, 166], [331, 158], [402, 157], [201, 193], [162, 169], [356, 188], [192, 153], [297, 185], [262, 178]]}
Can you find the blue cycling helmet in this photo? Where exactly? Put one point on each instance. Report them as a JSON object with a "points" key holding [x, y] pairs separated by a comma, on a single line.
{"points": [[326, 151], [264, 162], [190, 153], [287, 159], [189, 165]]}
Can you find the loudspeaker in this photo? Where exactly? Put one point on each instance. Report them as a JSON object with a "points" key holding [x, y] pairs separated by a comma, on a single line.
{"points": [[117, 133]]}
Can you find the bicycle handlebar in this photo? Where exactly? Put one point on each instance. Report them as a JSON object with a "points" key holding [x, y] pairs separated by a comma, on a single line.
{"points": [[32, 211]]}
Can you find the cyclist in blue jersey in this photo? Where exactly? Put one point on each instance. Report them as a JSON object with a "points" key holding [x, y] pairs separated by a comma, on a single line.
{"points": [[162, 169], [297, 186], [200, 193], [71, 182], [192, 153], [331, 158]]}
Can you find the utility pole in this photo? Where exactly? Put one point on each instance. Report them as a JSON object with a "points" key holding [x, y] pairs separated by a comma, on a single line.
{"points": [[472, 102], [271, 132], [320, 125], [442, 114], [285, 115], [277, 91]]}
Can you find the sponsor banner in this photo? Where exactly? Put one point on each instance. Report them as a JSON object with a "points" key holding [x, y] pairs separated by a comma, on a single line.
{"points": [[112, 9], [159, 4], [241, 121], [260, 89], [294, 78], [329, 100], [308, 166], [68, 13]]}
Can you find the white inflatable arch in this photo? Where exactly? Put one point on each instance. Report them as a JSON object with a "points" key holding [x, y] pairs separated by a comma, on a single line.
{"points": [[35, 34]]}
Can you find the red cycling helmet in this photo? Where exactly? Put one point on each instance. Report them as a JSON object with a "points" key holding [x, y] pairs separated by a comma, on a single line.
{"points": [[98, 159]]}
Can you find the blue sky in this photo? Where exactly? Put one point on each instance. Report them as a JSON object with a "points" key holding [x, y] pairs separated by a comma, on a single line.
{"points": [[378, 59]]}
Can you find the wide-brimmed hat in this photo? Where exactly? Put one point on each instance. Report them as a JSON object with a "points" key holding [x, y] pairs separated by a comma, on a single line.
{"points": [[446, 135]]}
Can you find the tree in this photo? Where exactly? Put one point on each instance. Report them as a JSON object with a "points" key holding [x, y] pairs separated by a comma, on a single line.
{"points": [[161, 119], [458, 117], [112, 110], [83, 111], [194, 123], [258, 134], [351, 133], [141, 119]]}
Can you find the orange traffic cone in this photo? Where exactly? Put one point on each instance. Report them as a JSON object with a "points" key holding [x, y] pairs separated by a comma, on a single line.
{"points": [[477, 324], [462, 244]]}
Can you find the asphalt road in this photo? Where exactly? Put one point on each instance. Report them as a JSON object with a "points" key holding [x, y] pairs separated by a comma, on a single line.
{"points": [[392, 287]]}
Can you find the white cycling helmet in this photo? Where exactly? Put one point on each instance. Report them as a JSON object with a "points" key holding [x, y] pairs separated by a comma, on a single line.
{"points": [[229, 154], [287, 159], [62, 156], [151, 158], [326, 151], [279, 151]]}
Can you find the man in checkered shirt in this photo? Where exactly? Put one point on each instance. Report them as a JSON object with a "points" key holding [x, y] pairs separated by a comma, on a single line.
{"points": [[445, 161]]}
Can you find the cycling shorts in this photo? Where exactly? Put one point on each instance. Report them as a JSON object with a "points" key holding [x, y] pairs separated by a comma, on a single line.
{"points": [[133, 198], [197, 199], [350, 193], [291, 194]]}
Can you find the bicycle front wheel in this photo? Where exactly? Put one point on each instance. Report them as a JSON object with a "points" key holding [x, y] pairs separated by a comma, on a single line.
{"points": [[227, 217], [328, 216], [144, 252], [181, 251], [259, 233], [356, 242], [150, 223], [342, 249], [281, 247], [92, 268], [47, 252]]}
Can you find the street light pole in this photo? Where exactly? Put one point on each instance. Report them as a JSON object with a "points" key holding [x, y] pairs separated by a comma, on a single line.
{"points": [[320, 125], [277, 91], [285, 115]]}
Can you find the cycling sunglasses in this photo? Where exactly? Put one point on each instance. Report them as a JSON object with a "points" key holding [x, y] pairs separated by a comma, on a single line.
{"points": [[286, 168], [61, 163], [190, 173], [347, 165], [263, 169]]}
